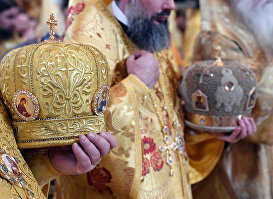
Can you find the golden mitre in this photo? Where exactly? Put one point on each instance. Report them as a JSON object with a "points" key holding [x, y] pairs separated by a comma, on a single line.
{"points": [[54, 91]]}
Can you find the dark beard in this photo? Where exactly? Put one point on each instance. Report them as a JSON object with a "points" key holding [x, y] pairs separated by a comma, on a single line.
{"points": [[148, 35]]}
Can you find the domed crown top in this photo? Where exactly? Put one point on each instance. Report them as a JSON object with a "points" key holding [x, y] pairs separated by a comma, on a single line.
{"points": [[54, 91], [217, 91]]}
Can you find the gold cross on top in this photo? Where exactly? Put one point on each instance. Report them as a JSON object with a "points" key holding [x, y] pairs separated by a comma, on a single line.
{"points": [[52, 22], [218, 61], [218, 49]]}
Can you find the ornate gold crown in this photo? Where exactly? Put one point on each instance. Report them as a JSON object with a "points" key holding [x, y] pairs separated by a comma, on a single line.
{"points": [[216, 93], [54, 92]]}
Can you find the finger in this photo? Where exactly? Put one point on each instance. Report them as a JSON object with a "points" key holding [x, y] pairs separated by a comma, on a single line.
{"points": [[253, 124], [110, 139], [102, 145], [243, 126], [90, 149], [242, 133], [249, 129], [234, 135], [82, 159]]}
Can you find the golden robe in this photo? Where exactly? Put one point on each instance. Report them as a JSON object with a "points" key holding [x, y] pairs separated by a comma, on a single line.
{"points": [[246, 168], [135, 168], [8, 144], [193, 29]]}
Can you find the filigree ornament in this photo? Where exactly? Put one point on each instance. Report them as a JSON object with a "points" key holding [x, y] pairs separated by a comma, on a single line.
{"points": [[100, 100], [66, 81]]}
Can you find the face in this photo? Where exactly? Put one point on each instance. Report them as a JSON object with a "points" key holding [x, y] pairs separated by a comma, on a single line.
{"points": [[181, 21], [21, 23], [13, 19], [8, 17], [148, 23], [155, 7], [104, 95], [23, 101]]}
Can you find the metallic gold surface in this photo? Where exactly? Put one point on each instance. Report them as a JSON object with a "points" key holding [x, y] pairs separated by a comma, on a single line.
{"points": [[64, 79]]}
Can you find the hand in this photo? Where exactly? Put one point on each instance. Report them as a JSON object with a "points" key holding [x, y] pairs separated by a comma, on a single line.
{"points": [[76, 160], [145, 66], [246, 127]]}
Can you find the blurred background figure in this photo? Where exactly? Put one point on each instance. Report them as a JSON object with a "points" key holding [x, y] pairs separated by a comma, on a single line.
{"points": [[23, 22], [244, 29], [15, 26], [185, 25], [188, 19], [181, 20]]}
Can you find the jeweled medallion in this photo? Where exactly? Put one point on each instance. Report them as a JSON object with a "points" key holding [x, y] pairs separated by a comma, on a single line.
{"points": [[100, 100], [10, 170], [26, 105]]}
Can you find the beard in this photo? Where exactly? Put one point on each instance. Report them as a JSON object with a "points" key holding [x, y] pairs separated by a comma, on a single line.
{"points": [[259, 19], [143, 30]]}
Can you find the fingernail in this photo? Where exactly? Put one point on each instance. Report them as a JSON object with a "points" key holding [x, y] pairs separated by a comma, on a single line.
{"points": [[103, 134], [76, 145], [91, 135], [83, 138]]}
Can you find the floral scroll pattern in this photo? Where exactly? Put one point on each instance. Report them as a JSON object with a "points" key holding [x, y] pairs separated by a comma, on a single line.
{"points": [[152, 158], [72, 11], [98, 178], [66, 78]]}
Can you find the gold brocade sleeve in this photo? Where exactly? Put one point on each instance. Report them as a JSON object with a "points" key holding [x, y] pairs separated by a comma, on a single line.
{"points": [[8, 144], [204, 152], [122, 120], [40, 166]]}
